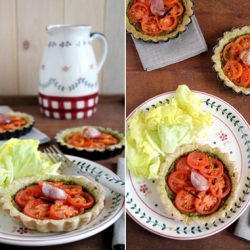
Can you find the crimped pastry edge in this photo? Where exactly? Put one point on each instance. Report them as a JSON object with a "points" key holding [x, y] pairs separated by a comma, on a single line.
{"points": [[171, 210], [49, 225]]}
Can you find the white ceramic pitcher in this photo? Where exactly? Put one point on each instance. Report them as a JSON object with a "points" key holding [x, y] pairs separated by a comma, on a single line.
{"points": [[68, 87]]}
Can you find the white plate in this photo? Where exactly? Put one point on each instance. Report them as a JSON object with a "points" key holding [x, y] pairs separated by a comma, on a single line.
{"points": [[231, 133], [16, 234]]}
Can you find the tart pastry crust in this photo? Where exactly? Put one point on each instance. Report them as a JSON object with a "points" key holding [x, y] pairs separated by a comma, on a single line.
{"points": [[90, 153], [18, 132], [164, 190], [228, 36], [50, 225], [181, 27]]}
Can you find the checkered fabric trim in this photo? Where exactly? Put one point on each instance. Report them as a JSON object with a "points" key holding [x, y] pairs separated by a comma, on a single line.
{"points": [[68, 107]]}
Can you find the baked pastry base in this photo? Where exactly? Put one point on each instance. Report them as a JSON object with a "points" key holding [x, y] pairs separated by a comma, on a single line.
{"points": [[50, 225], [165, 192], [216, 58], [16, 133], [90, 153], [186, 20]]}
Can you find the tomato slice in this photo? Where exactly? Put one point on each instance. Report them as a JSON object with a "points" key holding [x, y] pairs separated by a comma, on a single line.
{"points": [[59, 211], [220, 186], [167, 23], [244, 41], [176, 8], [185, 200], [213, 169], [72, 189], [146, 2], [207, 203], [37, 208], [232, 69], [138, 11], [244, 79], [181, 164], [197, 159], [84, 200], [179, 179], [167, 2], [29, 193], [232, 51], [150, 26]]}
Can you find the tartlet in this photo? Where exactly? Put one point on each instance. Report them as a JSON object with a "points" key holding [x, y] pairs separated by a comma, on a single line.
{"points": [[168, 198], [228, 52], [90, 152], [15, 124], [52, 225], [176, 22]]}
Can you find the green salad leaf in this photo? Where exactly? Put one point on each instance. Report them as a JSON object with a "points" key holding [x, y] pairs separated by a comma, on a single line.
{"points": [[154, 133], [21, 158]]}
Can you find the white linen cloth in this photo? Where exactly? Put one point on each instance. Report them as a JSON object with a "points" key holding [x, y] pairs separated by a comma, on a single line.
{"points": [[157, 55], [242, 228], [119, 226], [33, 134]]}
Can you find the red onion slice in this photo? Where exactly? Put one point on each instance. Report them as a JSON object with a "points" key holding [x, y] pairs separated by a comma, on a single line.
{"points": [[157, 7], [199, 182], [53, 192], [4, 118], [91, 132], [245, 57]]}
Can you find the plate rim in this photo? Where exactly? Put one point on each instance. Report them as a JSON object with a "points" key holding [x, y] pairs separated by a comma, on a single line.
{"points": [[143, 225], [19, 240]]}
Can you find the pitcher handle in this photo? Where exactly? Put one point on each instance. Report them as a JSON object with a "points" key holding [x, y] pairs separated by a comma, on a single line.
{"points": [[97, 35]]}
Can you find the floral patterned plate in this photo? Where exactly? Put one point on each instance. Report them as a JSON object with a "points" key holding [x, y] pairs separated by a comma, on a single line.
{"points": [[231, 133], [16, 234]]}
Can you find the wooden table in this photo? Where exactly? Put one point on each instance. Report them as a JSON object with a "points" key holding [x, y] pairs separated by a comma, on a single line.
{"points": [[214, 18], [110, 113]]}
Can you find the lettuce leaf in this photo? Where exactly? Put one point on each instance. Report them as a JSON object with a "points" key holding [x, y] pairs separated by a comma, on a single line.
{"points": [[153, 134], [21, 158]]}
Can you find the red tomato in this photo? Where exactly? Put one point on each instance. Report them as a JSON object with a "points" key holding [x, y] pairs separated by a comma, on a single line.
{"points": [[207, 203], [138, 11], [146, 2], [150, 26], [220, 186], [59, 210], [167, 2], [177, 9], [213, 169], [84, 200], [167, 23], [244, 79], [37, 208], [185, 200], [232, 69], [179, 179], [23, 196], [181, 164], [72, 189], [232, 51], [197, 159], [244, 41]]}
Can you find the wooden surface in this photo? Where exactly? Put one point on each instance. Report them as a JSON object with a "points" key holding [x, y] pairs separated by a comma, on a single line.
{"points": [[110, 113], [214, 18], [23, 38]]}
